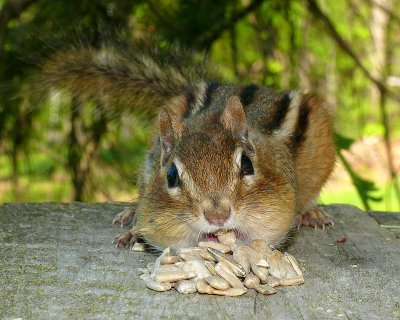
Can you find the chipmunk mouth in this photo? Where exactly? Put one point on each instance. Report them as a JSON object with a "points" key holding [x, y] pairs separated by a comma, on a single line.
{"points": [[209, 237], [213, 236]]}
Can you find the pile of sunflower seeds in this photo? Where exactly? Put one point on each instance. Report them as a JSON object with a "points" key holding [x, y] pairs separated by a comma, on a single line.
{"points": [[222, 268]]}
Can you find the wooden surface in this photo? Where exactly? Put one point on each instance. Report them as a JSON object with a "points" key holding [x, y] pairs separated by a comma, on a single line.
{"points": [[388, 220], [57, 261]]}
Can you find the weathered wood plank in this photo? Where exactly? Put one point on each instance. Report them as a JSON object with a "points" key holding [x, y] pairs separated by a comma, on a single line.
{"points": [[57, 261], [388, 220]]}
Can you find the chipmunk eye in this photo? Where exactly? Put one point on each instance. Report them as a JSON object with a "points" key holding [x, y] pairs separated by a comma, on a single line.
{"points": [[246, 167], [173, 177]]}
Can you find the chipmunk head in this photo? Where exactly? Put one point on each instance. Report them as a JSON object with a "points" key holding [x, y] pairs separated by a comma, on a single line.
{"points": [[215, 173]]}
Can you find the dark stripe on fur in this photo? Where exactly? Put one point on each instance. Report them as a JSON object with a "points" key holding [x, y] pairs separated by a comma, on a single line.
{"points": [[281, 109], [299, 134], [247, 94], [209, 93], [191, 100]]}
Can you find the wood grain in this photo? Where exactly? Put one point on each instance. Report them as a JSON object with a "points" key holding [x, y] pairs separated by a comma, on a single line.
{"points": [[57, 261]]}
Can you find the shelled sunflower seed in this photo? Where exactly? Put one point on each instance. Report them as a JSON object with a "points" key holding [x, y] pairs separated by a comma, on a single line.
{"points": [[223, 268]]}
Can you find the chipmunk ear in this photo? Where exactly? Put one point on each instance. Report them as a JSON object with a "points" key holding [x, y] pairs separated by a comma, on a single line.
{"points": [[171, 128], [234, 119]]}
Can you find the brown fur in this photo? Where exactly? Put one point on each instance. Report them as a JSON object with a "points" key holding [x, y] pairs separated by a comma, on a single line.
{"points": [[289, 171], [205, 127]]}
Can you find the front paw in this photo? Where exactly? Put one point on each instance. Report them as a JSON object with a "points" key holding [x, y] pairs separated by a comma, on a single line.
{"points": [[125, 216], [126, 238], [315, 217]]}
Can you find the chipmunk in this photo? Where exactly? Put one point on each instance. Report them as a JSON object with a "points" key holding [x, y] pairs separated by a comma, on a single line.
{"points": [[237, 157]]}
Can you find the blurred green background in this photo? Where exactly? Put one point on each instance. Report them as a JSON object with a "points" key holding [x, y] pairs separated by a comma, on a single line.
{"points": [[348, 52]]}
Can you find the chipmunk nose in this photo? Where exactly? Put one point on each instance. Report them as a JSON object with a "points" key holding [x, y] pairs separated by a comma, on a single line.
{"points": [[217, 217], [216, 209]]}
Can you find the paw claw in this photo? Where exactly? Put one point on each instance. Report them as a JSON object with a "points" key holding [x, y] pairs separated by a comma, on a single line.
{"points": [[126, 238], [315, 217], [125, 216]]}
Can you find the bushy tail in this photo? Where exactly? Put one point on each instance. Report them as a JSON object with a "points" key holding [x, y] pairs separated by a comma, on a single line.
{"points": [[125, 75]]}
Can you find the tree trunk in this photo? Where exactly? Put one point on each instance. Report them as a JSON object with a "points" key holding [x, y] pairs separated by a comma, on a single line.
{"points": [[380, 20], [304, 61]]}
